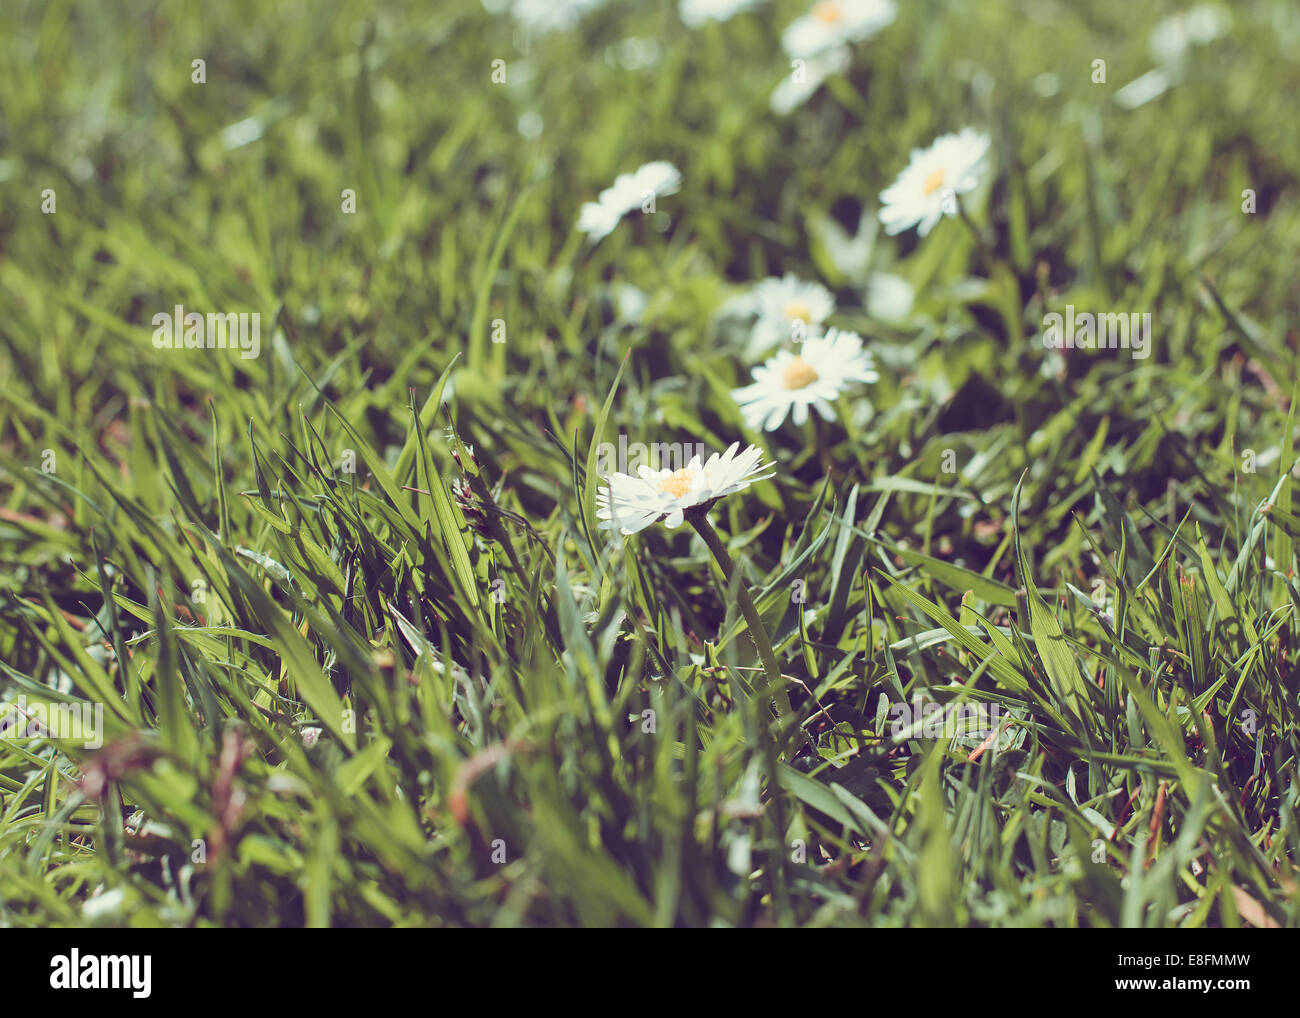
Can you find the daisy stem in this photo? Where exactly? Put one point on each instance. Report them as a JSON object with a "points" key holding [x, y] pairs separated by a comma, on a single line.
{"points": [[823, 436], [1001, 274], [775, 681], [980, 240]]}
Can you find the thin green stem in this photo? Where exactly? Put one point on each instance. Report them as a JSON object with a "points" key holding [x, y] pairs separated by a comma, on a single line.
{"points": [[1001, 274], [822, 435], [775, 680], [985, 249]]}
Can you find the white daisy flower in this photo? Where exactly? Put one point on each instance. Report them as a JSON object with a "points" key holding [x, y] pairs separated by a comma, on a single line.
{"points": [[927, 189], [788, 309], [629, 191], [806, 77], [790, 383], [696, 12], [633, 503], [832, 23]]}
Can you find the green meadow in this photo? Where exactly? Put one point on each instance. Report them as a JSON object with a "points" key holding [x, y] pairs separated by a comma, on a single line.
{"points": [[1008, 639]]}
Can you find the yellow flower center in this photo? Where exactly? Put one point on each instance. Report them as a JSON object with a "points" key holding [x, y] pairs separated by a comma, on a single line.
{"points": [[798, 373], [677, 484], [933, 182], [828, 12], [799, 309]]}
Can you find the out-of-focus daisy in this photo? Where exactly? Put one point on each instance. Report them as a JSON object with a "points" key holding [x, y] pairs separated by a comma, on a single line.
{"points": [[790, 382], [927, 189], [889, 297], [788, 309], [1202, 24], [833, 23], [806, 76], [549, 15], [697, 12], [629, 191], [1171, 40], [632, 503]]}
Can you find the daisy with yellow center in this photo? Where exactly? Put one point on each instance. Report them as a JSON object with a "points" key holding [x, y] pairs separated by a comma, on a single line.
{"points": [[927, 189], [790, 383], [798, 374], [630, 503], [828, 11], [789, 310], [933, 182], [798, 309], [678, 483], [833, 23]]}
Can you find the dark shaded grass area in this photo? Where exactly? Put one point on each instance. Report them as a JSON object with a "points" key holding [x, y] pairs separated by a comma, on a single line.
{"points": [[522, 722]]}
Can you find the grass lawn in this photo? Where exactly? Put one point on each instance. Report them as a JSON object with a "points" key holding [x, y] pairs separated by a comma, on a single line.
{"points": [[329, 629]]}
